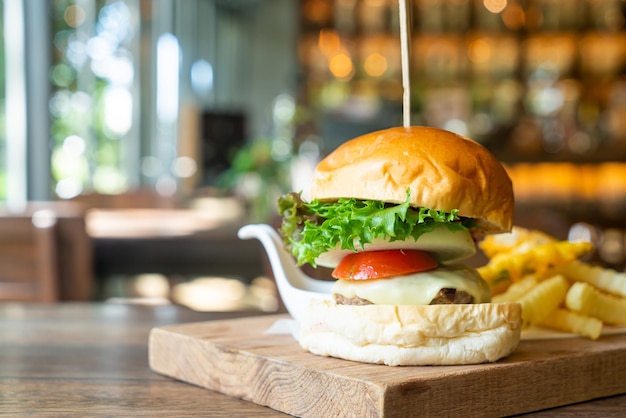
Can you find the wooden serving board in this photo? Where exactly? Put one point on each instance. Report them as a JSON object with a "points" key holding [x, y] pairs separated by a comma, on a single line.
{"points": [[239, 358]]}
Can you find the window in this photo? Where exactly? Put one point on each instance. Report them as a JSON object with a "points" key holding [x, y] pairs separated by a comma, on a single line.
{"points": [[110, 94], [92, 106]]}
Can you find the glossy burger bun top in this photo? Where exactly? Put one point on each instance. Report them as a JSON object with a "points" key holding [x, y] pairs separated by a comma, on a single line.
{"points": [[442, 170]]}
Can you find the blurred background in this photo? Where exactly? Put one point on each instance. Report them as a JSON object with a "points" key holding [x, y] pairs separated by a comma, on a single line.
{"points": [[158, 127]]}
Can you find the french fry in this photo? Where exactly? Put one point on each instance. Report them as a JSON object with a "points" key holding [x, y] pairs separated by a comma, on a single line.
{"points": [[516, 290], [608, 280], [516, 241], [545, 257], [554, 287], [540, 260], [568, 321], [543, 299], [587, 300], [498, 272]]}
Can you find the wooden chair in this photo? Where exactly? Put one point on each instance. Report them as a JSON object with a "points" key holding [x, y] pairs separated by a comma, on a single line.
{"points": [[74, 249], [54, 233], [29, 257]]}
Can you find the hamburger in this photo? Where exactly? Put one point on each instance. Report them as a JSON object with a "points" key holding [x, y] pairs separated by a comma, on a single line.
{"points": [[393, 213]]}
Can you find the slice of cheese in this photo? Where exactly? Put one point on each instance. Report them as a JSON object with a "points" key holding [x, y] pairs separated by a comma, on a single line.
{"points": [[417, 288]]}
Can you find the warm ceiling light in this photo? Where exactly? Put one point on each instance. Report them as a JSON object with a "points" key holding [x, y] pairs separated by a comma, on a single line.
{"points": [[341, 66], [375, 65], [495, 6], [514, 16], [374, 3], [328, 41], [479, 51], [318, 11]]}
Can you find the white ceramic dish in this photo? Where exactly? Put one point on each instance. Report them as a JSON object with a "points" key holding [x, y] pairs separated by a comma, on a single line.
{"points": [[295, 287]]}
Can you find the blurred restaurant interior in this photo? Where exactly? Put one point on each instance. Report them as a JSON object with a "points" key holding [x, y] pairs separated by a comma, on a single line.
{"points": [[138, 135]]}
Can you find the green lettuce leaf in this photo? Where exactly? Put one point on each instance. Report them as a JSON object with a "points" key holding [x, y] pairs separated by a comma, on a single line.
{"points": [[312, 228]]}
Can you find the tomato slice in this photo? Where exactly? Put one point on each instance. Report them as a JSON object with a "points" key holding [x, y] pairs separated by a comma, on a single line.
{"points": [[382, 264]]}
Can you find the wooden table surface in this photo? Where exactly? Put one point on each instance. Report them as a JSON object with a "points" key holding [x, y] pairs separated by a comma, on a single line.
{"points": [[85, 359]]}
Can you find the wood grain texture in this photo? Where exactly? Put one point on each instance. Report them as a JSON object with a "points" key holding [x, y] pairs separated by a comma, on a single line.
{"points": [[237, 358], [28, 259], [91, 359]]}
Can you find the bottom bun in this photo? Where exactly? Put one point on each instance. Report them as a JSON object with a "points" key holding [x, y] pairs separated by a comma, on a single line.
{"points": [[412, 335]]}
